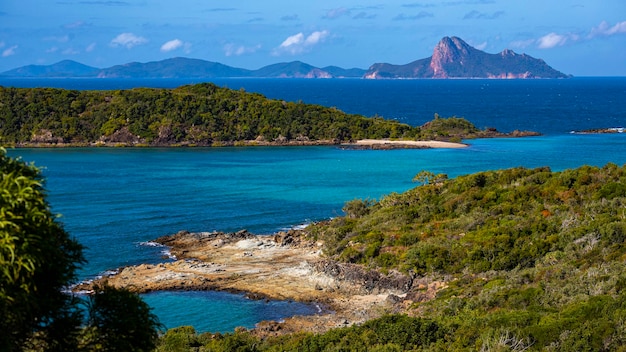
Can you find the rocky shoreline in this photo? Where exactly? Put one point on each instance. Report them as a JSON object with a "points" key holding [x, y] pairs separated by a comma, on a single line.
{"points": [[601, 131], [123, 138], [285, 266]]}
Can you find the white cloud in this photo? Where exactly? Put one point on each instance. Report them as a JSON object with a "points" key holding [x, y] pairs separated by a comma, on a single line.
{"points": [[231, 49], [10, 51], [316, 37], [176, 44], [172, 45], [605, 29], [91, 47], [523, 43], [551, 40], [296, 39], [481, 46], [299, 43], [336, 13], [128, 40]]}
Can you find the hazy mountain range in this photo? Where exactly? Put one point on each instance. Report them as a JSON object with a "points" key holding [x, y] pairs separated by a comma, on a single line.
{"points": [[452, 58]]}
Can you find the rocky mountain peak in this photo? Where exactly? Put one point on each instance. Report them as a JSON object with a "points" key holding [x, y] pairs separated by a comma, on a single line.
{"points": [[454, 58], [508, 52], [449, 50]]}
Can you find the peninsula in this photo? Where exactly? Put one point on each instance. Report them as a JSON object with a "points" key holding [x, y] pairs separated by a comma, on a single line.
{"points": [[199, 115], [285, 266], [524, 258]]}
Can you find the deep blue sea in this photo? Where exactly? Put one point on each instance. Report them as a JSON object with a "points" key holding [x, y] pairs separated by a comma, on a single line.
{"points": [[115, 200]]}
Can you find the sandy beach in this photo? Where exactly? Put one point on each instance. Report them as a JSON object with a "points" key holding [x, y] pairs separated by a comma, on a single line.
{"points": [[397, 144]]}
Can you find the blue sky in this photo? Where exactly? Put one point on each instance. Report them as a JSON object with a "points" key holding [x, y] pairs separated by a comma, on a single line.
{"points": [[579, 37]]}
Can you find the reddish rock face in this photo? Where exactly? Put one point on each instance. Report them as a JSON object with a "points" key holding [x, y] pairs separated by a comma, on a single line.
{"points": [[454, 58], [448, 51]]}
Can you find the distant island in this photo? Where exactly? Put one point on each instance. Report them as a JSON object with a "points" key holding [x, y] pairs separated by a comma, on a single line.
{"points": [[452, 58]]}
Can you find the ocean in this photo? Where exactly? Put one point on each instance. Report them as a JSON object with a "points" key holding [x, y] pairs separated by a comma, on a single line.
{"points": [[116, 200]]}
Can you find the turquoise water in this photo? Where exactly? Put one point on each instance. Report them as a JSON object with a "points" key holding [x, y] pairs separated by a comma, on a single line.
{"points": [[221, 311], [114, 200]]}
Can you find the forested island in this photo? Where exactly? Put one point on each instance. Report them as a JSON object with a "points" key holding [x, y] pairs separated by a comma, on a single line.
{"points": [[195, 115]]}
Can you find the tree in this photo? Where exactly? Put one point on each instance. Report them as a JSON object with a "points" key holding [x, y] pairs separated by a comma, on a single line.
{"points": [[38, 261], [426, 177], [120, 320], [38, 258]]}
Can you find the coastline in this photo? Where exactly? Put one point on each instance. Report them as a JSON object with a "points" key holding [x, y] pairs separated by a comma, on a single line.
{"points": [[358, 144], [285, 266], [395, 144]]}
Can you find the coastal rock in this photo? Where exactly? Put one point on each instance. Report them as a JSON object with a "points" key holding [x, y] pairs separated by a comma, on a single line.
{"points": [[45, 136], [366, 281], [122, 136], [285, 266]]}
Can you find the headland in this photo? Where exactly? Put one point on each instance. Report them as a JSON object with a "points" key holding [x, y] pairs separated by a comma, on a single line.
{"points": [[285, 266]]}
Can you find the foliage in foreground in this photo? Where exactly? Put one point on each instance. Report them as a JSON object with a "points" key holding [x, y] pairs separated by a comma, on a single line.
{"points": [[38, 260], [533, 260]]}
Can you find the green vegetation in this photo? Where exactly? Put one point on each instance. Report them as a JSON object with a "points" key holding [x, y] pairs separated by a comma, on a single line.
{"points": [[38, 260], [201, 115], [532, 260]]}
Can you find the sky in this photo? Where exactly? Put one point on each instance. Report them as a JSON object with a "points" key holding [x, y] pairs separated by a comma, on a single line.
{"points": [[578, 37]]}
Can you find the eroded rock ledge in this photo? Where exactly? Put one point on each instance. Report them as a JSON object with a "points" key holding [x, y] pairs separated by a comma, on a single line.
{"points": [[284, 266]]}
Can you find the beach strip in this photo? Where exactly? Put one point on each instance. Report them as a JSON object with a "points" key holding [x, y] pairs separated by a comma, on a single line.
{"points": [[391, 144]]}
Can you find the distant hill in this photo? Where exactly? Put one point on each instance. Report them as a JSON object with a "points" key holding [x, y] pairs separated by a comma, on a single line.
{"points": [[181, 68], [173, 68], [295, 69], [454, 58], [66, 68]]}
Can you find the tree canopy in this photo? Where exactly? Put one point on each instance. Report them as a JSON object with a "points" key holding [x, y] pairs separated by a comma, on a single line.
{"points": [[202, 114], [194, 115]]}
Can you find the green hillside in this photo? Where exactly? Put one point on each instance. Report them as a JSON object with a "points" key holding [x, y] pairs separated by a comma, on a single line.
{"points": [[535, 254], [531, 260], [196, 115], [202, 114]]}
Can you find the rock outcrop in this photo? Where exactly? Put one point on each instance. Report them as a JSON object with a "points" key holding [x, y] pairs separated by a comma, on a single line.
{"points": [[284, 266], [454, 58]]}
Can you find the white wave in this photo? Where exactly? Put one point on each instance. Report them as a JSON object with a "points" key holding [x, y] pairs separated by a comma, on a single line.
{"points": [[150, 244], [302, 226], [165, 252]]}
